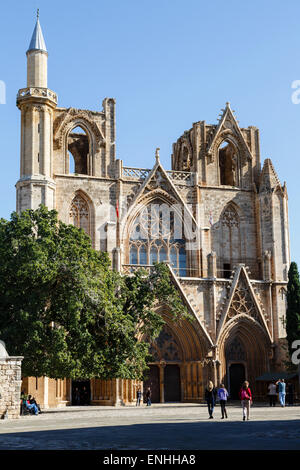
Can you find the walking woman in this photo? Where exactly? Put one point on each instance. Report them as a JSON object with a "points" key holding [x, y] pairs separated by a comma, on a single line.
{"points": [[223, 395], [246, 399], [210, 397]]}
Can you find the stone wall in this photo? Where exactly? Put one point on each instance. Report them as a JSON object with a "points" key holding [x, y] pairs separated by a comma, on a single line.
{"points": [[10, 386]]}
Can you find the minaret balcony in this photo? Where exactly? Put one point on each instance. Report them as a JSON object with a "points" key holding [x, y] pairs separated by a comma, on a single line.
{"points": [[36, 92]]}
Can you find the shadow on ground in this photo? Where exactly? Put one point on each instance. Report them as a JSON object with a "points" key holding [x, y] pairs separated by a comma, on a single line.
{"points": [[195, 435]]}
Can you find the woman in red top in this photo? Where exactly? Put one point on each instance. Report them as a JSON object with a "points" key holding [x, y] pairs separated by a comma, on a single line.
{"points": [[246, 399]]}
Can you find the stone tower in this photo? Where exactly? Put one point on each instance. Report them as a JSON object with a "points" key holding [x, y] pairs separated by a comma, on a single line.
{"points": [[37, 104], [226, 239]]}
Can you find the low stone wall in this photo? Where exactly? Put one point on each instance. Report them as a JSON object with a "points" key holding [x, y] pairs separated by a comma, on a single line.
{"points": [[10, 386]]}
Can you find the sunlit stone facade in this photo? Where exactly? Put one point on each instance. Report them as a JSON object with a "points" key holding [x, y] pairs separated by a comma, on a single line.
{"points": [[218, 218]]}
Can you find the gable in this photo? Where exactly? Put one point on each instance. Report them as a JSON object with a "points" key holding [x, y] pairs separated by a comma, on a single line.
{"points": [[227, 129], [158, 185], [242, 302]]}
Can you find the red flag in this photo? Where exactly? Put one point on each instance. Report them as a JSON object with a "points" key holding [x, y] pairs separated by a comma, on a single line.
{"points": [[117, 209]]}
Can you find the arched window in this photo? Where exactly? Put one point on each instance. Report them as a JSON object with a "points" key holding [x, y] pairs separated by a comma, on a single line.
{"points": [[152, 238], [143, 255], [78, 146], [228, 164], [163, 254], [153, 254], [230, 240], [80, 214], [186, 160], [133, 255]]}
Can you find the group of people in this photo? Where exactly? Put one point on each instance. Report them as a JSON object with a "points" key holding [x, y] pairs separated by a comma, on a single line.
{"points": [[147, 396], [283, 390], [29, 402], [245, 395], [212, 394], [80, 396]]}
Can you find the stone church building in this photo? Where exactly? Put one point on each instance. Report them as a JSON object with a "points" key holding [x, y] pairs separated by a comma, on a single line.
{"points": [[226, 239]]}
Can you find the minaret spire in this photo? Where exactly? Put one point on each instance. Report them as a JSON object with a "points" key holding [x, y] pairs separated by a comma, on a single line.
{"points": [[37, 42], [37, 57]]}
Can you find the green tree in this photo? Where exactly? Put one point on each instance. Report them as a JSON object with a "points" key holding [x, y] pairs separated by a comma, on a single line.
{"points": [[293, 307], [66, 311]]}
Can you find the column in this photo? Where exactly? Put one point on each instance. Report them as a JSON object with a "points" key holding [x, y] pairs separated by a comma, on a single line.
{"points": [[162, 366]]}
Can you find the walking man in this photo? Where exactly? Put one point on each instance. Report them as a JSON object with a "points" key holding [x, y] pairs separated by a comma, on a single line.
{"points": [[282, 391], [148, 396], [138, 396]]}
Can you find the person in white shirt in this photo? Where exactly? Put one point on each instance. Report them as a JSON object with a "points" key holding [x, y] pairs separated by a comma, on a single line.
{"points": [[272, 393]]}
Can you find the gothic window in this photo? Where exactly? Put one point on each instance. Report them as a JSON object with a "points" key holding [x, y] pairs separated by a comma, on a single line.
{"points": [[230, 240], [80, 214], [78, 151], [153, 239], [166, 347], [228, 164], [235, 351]]}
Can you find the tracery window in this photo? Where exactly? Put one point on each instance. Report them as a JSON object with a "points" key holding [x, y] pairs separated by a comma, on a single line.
{"points": [[166, 347], [80, 213], [230, 240], [235, 350], [242, 302], [154, 238]]}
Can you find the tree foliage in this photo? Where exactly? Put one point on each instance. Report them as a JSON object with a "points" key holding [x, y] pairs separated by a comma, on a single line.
{"points": [[66, 311], [293, 307]]}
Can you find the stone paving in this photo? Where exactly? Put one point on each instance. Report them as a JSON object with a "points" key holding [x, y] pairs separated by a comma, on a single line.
{"points": [[159, 427]]}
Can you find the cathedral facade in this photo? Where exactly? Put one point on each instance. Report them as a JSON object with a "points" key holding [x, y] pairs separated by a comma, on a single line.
{"points": [[218, 218]]}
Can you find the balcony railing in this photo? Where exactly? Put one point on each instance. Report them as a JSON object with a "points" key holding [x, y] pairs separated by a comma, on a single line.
{"points": [[37, 92], [132, 268], [136, 173], [181, 176], [185, 177]]}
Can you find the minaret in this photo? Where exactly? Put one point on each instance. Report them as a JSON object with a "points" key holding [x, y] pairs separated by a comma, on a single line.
{"points": [[37, 58], [36, 103]]}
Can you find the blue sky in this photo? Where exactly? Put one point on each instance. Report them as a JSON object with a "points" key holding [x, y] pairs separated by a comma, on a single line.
{"points": [[168, 63]]}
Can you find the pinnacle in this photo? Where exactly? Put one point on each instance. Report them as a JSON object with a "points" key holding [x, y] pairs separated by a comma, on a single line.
{"points": [[37, 42]]}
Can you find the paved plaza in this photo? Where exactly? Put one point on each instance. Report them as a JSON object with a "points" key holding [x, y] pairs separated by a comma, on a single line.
{"points": [[174, 426]]}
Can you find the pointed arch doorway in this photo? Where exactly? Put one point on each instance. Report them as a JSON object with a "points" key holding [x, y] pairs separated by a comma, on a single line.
{"points": [[236, 363], [237, 375], [244, 353], [164, 375]]}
